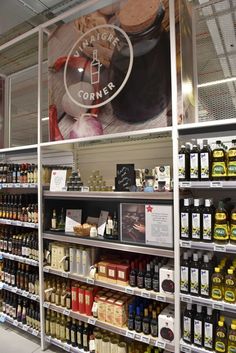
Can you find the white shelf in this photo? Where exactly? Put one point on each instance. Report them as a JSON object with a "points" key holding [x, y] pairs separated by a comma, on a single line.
{"points": [[119, 330], [162, 297], [66, 347], [19, 149], [17, 258], [18, 186], [11, 222], [188, 244], [214, 126], [11, 321], [225, 184], [19, 291], [218, 305], [190, 348], [114, 245]]}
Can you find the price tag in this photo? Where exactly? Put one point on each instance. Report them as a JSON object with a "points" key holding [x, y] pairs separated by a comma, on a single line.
{"points": [[66, 312], [185, 244], [31, 225], [185, 184], [220, 248], [25, 328], [14, 289], [90, 280], [145, 339], [218, 306], [46, 305], [216, 184], [32, 186], [1, 285], [160, 344], [46, 269], [35, 332], [67, 348], [92, 321], [2, 318], [129, 290], [15, 323], [65, 274], [186, 299], [185, 349], [19, 223], [17, 185], [161, 298], [19, 291], [145, 294], [34, 297], [11, 257], [137, 337], [24, 293], [8, 221], [130, 334]]}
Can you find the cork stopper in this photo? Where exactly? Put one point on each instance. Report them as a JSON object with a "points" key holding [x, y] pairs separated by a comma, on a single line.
{"points": [[137, 15]]}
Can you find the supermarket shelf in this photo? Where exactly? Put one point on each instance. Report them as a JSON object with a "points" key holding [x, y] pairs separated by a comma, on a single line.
{"points": [[96, 195], [18, 186], [18, 223], [226, 184], [215, 127], [66, 347], [229, 248], [21, 259], [189, 348], [20, 149], [162, 297], [19, 291], [11, 321], [218, 305], [118, 330], [114, 245]]}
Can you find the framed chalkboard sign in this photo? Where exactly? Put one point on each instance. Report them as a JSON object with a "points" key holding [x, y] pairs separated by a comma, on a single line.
{"points": [[125, 177]]}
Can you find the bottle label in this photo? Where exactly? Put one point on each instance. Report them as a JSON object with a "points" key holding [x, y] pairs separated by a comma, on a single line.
{"points": [[207, 226], [146, 328], [58, 330], [181, 166], [233, 216], [231, 349], [72, 336], [230, 294], [221, 232], [184, 225], [205, 278], [85, 340], [193, 165], [140, 281], [138, 326], [208, 335], [219, 169], [130, 324], [132, 280], [233, 232], [197, 332], [232, 169], [155, 284], [218, 154], [184, 279], [196, 226], [187, 329], [194, 280], [154, 330], [79, 338], [67, 334], [232, 153], [220, 347], [148, 283], [204, 160], [216, 293]]}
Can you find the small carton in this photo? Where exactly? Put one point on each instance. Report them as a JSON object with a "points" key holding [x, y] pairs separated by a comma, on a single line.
{"points": [[166, 274], [112, 273], [110, 307], [123, 275], [120, 316], [166, 325], [102, 307]]}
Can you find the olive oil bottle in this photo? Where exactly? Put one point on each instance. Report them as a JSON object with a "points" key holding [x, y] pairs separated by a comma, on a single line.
{"points": [[188, 327], [221, 338], [217, 285], [184, 274], [186, 220], [184, 165], [219, 160], [208, 214], [205, 278], [194, 276], [205, 162], [221, 227], [194, 163], [232, 339], [197, 219], [233, 226], [230, 287], [198, 327], [209, 330], [232, 161]]}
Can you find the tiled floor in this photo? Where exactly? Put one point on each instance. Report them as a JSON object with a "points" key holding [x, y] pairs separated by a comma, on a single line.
{"points": [[13, 340]]}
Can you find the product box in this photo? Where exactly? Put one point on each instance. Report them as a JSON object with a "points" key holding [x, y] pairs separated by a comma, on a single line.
{"points": [[166, 324], [123, 275], [166, 278], [102, 307], [162, 178], [102, 269], [120, 316], [72, 252], [110, 308], [111, 273]]}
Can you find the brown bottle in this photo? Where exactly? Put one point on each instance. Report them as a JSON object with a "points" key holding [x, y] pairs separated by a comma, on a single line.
{"points": [[221, 228], [232, 161], [219, 170]]}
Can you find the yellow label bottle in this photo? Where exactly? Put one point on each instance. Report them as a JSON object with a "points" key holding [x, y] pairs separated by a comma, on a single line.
{"points": [[233, 226], [217, 285], [219, 170], [221, 339], [232, 339], [232, 161], [230, 290], [221, 228]]}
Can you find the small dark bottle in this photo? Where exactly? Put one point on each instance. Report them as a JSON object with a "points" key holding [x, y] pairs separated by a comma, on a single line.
{"points": [[131, 318], [208, 216], [205, 162], [86, 338], [140, 277], [209, 330], [148, 278], [194, 163], [138, 321], [154, 324], [155, 279], [73, 333], [194, 276], [197, 220], [186, 220], [198, 337], [184, 163], [184, 274], [146, 323], [133, 276], [188, 324], [68, 331], [80, 335]]}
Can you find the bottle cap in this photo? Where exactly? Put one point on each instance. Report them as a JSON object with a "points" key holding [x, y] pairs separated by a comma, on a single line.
{"points": [[196, 202], [199, 308], [234, 142], [220, 323], [209, 311], [218, 142], [230, 271], [217, 270], [189, 306], [186, 202], [208, 202], [185, 256], [195, 257], [233, 326], [205, 258]]}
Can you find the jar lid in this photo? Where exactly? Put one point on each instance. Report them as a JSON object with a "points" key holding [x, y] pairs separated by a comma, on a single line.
{"points": [[137, 15]]}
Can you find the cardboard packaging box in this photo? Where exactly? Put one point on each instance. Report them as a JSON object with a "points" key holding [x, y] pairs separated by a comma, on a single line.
{"points": [[166, 325], [166, 274]]}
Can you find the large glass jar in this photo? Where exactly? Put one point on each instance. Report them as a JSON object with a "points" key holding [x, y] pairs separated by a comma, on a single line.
{"points": [[147, 91]]}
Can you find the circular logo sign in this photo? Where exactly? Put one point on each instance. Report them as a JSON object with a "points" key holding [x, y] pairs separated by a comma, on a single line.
{"points": [[98, 66]]}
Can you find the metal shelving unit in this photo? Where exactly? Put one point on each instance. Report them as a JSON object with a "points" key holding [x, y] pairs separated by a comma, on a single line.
{"points": [[19, 291], [162, 297], [17, 258], [118, 330]]}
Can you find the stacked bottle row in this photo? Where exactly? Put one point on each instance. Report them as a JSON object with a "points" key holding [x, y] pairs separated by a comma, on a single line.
{"points": [[18, 241], [206, 163], [203, 275], [119, 309], [23, 310], [22, 208], [89, 338], [206, 328], [18, 173], [204, 222], [20, 275]]}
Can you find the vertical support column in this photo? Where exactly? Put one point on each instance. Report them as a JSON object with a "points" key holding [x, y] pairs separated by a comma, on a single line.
{"points": [[7, 113], [40, 188], [174, 94]]}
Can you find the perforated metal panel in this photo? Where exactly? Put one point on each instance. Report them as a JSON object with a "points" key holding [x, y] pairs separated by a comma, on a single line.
{"points": [[215, 23]]}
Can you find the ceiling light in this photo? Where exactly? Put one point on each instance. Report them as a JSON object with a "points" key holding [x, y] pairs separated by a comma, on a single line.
{"points": [[80, 69], [213, 83], [46, 118]]}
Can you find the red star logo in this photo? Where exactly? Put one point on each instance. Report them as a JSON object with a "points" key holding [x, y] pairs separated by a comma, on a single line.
{"points": [[149, 208]]}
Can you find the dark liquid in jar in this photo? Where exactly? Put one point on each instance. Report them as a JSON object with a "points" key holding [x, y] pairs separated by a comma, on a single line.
{"points": [[147, 91]]}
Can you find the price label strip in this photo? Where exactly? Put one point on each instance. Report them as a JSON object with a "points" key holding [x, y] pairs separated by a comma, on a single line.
{"points": [[185, 244], [145, 294], [65, 274], [185, 349], [186, 299], [66, 312], [90, 280], [145, 339], [130, 334], [220, 248], [218, 306], [92, 321], [216, 184], [186, 184], [161, 298], [160, 344], [137, 337], [129, 290]]}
